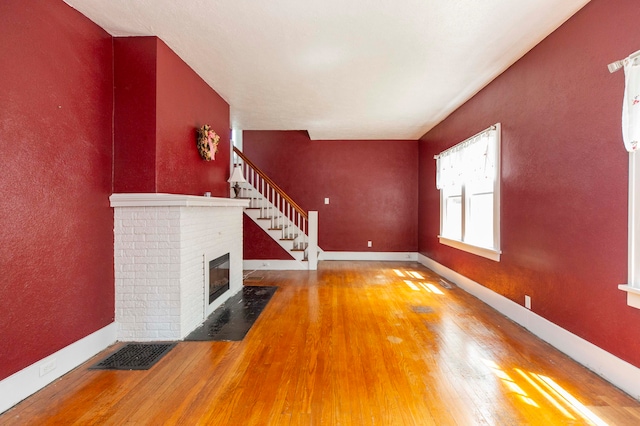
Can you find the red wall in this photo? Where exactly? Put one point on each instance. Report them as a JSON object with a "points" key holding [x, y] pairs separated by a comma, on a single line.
{"points": [[372, 186], [564, 179], [184, 102], [257, 245], [160, 102], [135, 114], [56, 238]]}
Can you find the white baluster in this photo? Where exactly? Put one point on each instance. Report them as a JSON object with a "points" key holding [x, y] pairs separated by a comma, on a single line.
{"points": [[284, 218], [260, 189], [290, 223], [299, 227], [304, 234], [272, 205], [279, 219], [281, 208]]}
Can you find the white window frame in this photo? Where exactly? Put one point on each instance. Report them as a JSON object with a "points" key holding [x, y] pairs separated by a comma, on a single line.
{"points": [[633, 277], [494, 252]]}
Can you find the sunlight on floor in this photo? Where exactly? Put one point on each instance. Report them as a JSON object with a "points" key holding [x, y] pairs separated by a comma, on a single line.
{"points": [[415, 275], [548, 389], [584, 411], [425, 286], [432, 288], [542, 392], [411, 285], [510, 383]]}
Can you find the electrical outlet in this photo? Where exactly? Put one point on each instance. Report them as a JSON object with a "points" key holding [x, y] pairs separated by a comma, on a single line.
{"points": [[527, 302], [368, 243], [47, 367], [326, 201]]}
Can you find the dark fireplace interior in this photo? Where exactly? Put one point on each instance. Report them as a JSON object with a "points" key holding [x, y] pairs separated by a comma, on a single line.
{"points": [[218, 277]]}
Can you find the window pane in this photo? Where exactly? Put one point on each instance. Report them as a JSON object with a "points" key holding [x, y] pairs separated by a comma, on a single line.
{"points": [[452, 221], [479, 229], [479, 186]]}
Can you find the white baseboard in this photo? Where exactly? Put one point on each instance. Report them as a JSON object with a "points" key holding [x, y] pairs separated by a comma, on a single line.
{"points": [[28, 381], [615, 370], [369, 255], [274, 265], [294, 265]]}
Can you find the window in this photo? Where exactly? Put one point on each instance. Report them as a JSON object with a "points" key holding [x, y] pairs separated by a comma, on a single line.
{"points": [[633, 274], [468, 177]]}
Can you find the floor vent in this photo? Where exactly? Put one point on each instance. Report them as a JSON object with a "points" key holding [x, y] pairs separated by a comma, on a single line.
{"points": [[422, 309], [134, 356], [446, 284]]}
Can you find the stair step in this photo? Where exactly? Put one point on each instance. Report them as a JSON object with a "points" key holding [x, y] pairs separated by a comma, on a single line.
{"points": [[260, 209]]}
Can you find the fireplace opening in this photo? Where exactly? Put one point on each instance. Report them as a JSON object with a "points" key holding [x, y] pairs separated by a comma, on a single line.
{"points": [[218, 277]]}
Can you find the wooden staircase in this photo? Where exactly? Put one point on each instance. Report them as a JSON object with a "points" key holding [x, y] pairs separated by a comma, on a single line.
{"points": [[294, 229]]}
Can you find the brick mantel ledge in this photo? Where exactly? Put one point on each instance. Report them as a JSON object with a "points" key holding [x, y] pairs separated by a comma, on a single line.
{"points": [[172, 200]]}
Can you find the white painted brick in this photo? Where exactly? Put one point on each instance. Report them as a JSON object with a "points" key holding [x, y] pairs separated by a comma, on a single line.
{"points": [[125, 335], [126, 236], [169, 335], [168, 304], [159, 326], [160, 270], [147, 334], [136, 326]]}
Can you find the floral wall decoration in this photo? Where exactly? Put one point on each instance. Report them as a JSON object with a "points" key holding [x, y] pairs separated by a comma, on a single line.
{"points": [[207, 143]]}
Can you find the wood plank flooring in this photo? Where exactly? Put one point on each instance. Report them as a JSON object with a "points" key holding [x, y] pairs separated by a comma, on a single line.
{"points": [[355, 343]]}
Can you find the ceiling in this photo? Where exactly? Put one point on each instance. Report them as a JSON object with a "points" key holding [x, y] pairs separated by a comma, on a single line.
{"points": [[340, 69]]}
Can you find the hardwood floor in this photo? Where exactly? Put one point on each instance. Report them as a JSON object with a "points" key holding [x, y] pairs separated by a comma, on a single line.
{"points": [[355, 343]]}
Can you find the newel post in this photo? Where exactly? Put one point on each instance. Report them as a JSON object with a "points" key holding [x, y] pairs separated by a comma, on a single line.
{"points": [[312, 249]]}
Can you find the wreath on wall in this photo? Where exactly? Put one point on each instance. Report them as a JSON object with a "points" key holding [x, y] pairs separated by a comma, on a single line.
{"points": [[207, 143]]}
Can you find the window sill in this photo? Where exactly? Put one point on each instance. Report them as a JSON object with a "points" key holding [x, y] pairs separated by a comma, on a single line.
{"points": [[633, 295], [478, 251]]}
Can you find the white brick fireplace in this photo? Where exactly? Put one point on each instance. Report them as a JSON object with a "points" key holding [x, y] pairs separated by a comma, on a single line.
{"points": [[163, 245]]}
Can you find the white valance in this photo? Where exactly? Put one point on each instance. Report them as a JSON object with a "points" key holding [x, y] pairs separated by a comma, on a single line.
{"points": [[472, 160]]}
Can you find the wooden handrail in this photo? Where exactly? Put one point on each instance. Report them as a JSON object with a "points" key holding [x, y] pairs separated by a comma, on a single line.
{"points": [[272, 183]]}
